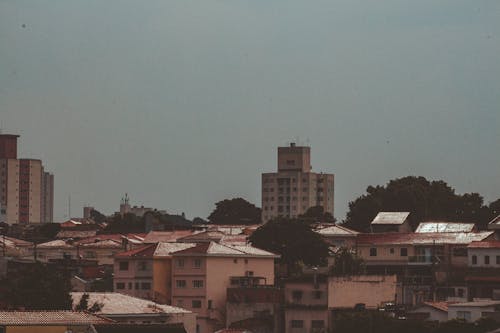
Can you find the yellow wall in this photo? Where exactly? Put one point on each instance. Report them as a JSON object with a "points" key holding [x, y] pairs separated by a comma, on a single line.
{"points": [[162, 279]]}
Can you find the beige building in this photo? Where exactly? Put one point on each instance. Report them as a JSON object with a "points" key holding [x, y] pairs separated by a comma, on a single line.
{"points": [[294, 188], [26, 190], [202, 274]]}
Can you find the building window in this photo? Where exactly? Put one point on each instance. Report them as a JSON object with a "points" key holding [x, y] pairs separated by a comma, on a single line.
{"points": [[463, 315], [145, 286], [120, 286], [297, 323], [123, 265], [235, 261], [209, 304], [180, 263], [404, 252], [317, 294], [460, 292], [180, 303], [317, 324], [373, 252], [180, 283], [486, 260], [391, 250], [498, 260], [137, 285], [474, 260], [143, 265], [197, 283], [297, 295], [246, 261], [130, 285], [197, 263], [196, 304]]}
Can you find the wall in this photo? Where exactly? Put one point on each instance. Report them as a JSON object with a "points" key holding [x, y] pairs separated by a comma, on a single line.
{"points": [[46, 329], [480, 253], [384, 253], [475, 312], [306, 316], [162, 280], [372, 290]]}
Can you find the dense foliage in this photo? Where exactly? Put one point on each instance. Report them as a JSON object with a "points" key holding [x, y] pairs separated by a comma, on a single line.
{"points": [[38, 287], [317, 214], [235, 211], [426, 200], [346, 262], [293, 240]]}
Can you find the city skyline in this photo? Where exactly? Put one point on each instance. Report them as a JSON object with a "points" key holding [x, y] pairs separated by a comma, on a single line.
{"points": [[186, 106]]}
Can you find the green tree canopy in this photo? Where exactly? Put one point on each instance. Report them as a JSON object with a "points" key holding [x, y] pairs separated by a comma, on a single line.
{"points": [[38, 287], [293, 240], [424, 199], [346, 262], [235, 211], [316, 214]]}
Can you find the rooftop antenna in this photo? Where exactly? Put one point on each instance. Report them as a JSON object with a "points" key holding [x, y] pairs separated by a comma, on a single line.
{"points": [[69, 206]]}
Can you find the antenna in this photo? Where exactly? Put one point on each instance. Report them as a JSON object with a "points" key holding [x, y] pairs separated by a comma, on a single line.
{"points": [[69, 206]]}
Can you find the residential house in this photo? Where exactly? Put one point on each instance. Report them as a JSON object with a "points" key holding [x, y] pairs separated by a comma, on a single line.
{"points": [[146, 272], [421, 261], [472, 311], [202, 274], [306, 304], [127, 309], [391, 222], [483, 275], [13, 247], [430, 311]]}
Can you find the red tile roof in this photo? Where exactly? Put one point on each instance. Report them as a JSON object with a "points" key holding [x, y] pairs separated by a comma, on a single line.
{"points": [[142, 252], [485, 245], [166, 236], [443, 306]]}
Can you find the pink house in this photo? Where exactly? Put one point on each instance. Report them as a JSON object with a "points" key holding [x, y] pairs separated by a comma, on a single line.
{"points": [[202, 274]]}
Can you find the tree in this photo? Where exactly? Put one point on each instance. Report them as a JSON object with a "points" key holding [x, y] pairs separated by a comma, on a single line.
{"points": [[316, 214], [425, 200], [38, 287], [346, 262], [235, 211], [128, 223], [293, 240], [83, 305]]}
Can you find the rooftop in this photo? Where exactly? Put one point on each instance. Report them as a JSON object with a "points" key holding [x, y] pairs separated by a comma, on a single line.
{"points": [[337, 230], [479, 303], [166, 236], [429, 238], [117, 304], [445, 227], [22, 318], [442, 306], [494, 244], [216, 249], [390, 218]]}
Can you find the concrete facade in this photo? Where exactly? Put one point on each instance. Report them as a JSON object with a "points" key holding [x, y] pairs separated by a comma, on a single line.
{"points": [[26, 190], [294, 188]]}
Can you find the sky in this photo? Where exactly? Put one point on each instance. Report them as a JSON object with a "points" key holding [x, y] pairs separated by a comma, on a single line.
{"points": [[182, 103]]}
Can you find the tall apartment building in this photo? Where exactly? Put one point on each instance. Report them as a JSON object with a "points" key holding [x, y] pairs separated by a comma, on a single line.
{"points": [[295, 188], [26, 189]]}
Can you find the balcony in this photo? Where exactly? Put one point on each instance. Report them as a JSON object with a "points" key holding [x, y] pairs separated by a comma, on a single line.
{"points": [[425, 260]]}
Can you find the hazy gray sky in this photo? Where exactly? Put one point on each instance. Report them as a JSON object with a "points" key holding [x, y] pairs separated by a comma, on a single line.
{"points": [[182, 103]]}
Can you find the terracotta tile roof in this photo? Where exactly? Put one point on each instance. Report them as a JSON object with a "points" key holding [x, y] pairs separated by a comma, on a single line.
{"points": [[390, 218], [203, 236], [429, 238], [22, 318], [14, 242], [76, 233], [443, 306], [166, 236], [142, 252], [116, 304], [493, 244]]}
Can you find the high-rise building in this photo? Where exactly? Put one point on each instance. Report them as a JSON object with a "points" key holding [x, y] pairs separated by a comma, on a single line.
{"points": [[26, 190], [295, 188]]}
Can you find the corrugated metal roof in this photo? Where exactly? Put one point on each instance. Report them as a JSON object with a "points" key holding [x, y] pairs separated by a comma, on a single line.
{"points": [[422, 238], [217, 249], [21, 318], [115, 303], [444, 227], [390, 218]]}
